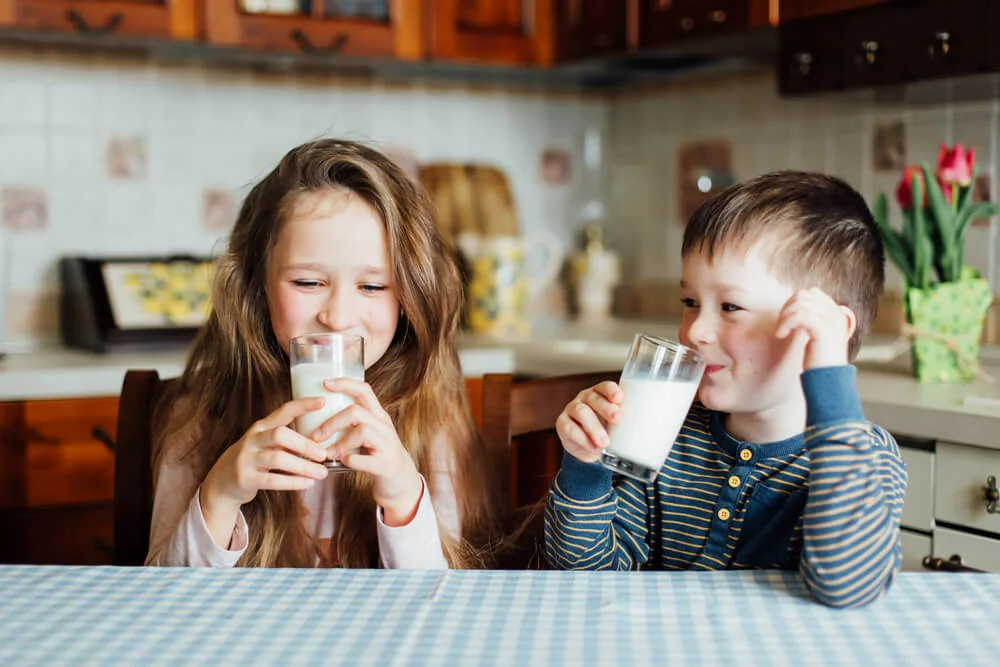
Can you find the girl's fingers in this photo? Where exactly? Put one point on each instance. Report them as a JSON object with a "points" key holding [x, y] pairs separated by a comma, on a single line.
{"points": [[275, 481], [361, 392], [288, 412], [284, 461], [298, 444]]}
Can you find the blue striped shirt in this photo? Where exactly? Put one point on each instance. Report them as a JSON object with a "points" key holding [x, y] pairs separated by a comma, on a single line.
{"points": [[828, 502]]}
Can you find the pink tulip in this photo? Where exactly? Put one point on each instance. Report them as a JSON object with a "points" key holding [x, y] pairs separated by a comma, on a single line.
{"points": [[955, 165]]}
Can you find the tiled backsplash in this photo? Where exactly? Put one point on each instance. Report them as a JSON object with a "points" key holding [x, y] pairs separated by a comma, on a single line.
{"points": [[150, 158], [833, 134], [136, 158]]}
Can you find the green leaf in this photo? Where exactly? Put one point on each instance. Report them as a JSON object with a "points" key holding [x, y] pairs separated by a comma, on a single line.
{"points": [[896, 246], [923, 248], [942, 216]]}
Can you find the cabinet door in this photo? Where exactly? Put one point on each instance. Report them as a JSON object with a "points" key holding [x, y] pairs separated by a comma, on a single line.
{"points": [[670, 21], [808, 56], [501, 31], [322, 27], [871, 47], [915, 547], [174, 19], [796, 9], [66, 464], [992, 38], [591, 28], [981, 553], [946, 38]]}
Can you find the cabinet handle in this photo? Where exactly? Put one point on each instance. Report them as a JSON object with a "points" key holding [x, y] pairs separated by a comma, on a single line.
{"points": [[991, 494], [803, 63], [717, 16], [942, 44], [104, 437], [953, 564], [306, 45], [81, 25], [664, 5], [869, 52]]}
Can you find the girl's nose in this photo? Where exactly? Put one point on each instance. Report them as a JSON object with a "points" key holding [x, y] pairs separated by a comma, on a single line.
{"points": [[337, 313]]}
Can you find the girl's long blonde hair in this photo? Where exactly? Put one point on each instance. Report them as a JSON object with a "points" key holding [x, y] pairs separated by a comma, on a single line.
{"points": [[238, 373]]}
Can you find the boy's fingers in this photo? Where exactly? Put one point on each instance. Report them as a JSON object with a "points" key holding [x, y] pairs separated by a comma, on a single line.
{"points": [[609, 390], [587, 419]]}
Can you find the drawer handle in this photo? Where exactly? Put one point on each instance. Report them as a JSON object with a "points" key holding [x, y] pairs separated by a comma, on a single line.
{"points": [[104, 437], [81, 25], [992, 494], [306, 46], [953, 564]]}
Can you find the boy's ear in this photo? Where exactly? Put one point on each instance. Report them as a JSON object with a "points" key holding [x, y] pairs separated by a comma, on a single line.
{"points": [[852, 320]]}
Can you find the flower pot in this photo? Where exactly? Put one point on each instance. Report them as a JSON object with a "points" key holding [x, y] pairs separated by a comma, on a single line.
{"points": [[946, 323]]}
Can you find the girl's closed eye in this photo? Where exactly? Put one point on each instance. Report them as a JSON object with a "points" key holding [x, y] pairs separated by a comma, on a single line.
{"points": [[373, 288], [306, 283]]}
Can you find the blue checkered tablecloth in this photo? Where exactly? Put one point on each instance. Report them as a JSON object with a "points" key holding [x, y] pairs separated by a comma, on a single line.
{"points": [[168, 616]]}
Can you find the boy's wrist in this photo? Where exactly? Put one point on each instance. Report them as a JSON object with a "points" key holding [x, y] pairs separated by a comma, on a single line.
{"points": [[583, 481], [831, 395]]}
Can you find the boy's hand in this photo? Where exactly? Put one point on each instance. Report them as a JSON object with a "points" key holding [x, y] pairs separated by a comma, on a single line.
{"points": [[823, 326], [583, 425]]}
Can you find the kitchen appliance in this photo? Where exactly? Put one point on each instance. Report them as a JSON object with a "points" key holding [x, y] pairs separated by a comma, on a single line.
{"points": [[113, 303]]}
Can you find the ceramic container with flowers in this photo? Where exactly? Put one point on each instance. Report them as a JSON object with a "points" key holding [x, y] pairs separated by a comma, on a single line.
{"points": [[945, 301]]}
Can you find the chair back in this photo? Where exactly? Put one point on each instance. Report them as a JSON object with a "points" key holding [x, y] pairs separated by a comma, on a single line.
{"points": [[133, 504]]}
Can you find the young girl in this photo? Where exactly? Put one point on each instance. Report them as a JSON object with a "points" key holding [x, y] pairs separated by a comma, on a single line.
{"points": [[336, 238]]}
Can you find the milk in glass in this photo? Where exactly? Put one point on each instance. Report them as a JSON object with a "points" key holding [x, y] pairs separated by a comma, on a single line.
{"points": [[307, 380], [653, 412]]}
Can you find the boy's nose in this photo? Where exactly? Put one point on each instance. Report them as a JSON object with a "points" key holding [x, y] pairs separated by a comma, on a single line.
{"points": [[702, 330]]}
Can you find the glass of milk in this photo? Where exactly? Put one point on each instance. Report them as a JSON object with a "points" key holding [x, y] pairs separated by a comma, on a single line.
{"points": [[318, 357], [659, 383]]}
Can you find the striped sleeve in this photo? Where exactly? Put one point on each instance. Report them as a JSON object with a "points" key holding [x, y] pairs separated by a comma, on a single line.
{"points": [[591, 524], [851, 541]]}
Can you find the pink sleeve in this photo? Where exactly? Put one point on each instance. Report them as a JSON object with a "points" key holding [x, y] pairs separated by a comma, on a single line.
{"points": [[417, 545], [178, 535]]}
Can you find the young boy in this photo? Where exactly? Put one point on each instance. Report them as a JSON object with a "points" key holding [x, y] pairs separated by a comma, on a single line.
{"points": [[775, 466]]}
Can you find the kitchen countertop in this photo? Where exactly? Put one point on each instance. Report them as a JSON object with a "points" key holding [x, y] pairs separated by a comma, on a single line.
{"points": [[963, 413]]}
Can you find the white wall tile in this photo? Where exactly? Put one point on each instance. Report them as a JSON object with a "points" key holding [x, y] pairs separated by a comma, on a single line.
{"points": [[23, 103], [73, 105], [23, 156]]}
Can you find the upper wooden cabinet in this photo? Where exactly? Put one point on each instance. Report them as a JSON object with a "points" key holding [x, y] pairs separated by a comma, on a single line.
{"points": [[886, 44], [174, 19], [321, 27], [591, 28], [517, 32], [664, 22], [797, 9]]}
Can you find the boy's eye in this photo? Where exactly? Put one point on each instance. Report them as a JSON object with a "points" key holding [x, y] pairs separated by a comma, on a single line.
{"points": [[689, 303], [730, 308]]}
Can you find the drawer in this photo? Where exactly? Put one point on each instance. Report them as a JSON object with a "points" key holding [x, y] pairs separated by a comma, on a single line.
{"points": [[76, 535], [65, 464], [960, 473], [915, 547], [918, 506], [982, 553]]}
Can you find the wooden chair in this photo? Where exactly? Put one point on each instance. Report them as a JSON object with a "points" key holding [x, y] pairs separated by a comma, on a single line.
{"points": [[518, 428], [133, 504]]}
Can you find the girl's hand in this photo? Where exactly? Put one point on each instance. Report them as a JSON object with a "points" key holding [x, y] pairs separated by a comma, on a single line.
{"points": [[367, 427], [583, 425], [270, 455]]}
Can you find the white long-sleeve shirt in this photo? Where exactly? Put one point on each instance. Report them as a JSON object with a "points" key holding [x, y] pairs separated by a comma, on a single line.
{"points": [[179, 535]]}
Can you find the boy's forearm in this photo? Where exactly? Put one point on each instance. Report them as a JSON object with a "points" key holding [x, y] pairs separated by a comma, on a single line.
{"points": [[851, 548], [580, 525]]}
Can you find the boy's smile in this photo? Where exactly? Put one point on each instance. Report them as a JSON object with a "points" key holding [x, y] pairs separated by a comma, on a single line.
{"points": [[731, 312]]}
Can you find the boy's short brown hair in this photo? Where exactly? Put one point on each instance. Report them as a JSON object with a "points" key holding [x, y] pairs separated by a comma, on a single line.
{"points": [[820, 230]]}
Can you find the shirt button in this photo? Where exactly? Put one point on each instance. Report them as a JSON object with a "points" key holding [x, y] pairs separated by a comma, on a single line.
{"points": [[734, 481], [723, 514], [746, 454]]}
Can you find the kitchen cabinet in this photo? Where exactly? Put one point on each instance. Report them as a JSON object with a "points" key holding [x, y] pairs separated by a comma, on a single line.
{"points": [[324, 27], [671, 21], [513, 32], [952, 505], [591, 28], [798, 9], [887, 43], [992, 39], [173, 19], [56, 480]]}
